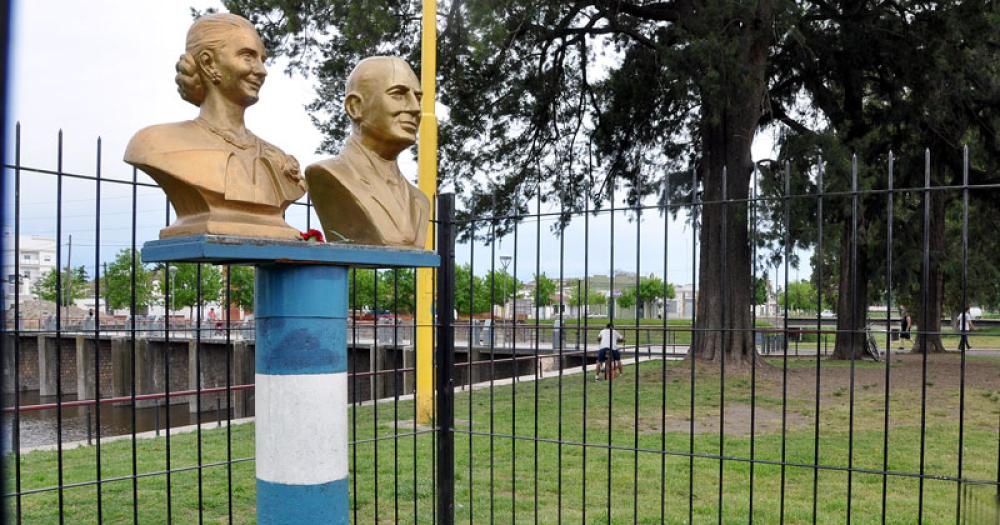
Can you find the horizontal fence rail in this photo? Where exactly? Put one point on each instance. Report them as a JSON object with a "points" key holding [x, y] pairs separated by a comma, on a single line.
{"points": [[144, 411]]}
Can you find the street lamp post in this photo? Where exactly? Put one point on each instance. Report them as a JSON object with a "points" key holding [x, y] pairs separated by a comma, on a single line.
{"points": [[504, 262], [172, 270]]}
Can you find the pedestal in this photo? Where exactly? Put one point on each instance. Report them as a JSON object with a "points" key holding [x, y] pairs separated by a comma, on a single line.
{"points": [[301, 364], [301, 387]]}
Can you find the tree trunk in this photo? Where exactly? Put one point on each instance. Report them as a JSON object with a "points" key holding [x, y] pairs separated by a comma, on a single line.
{"points": [[724, 287], [933, 295], [728, 124], [852, 306]]}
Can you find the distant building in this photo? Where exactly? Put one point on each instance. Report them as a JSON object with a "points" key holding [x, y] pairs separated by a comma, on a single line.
{"points": [[683, 304], [36, 256]]}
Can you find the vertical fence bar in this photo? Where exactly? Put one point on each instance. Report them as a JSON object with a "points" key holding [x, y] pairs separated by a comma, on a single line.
{"points": [[16, 434], [373, 391], [517, 374], [888, 335], [97, 332], [197, 367], [925, 285], [492, 342], [229, 391], [308, 211], [132, 349], [753, 328], [473, 364], [434, 416], [639, 306], [353, 363], [821, 337], [786, 223], [963, 343], [538, 364], [854, 332], [726, 337], [610, 364], [562, 339], [586, 332], [446, 361], [663, 352], [167, 307], [397, 357], [692, 355], [59, 304]]}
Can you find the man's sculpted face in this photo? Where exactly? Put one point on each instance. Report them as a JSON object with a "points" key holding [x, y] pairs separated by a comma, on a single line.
{"points": [[384, 102]]}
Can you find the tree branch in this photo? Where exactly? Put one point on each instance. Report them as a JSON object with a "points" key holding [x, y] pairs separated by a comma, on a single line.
{"points": [[660, 11]]}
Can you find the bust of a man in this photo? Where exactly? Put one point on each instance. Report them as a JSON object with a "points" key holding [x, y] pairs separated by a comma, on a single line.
{"points": [[360, 195]]}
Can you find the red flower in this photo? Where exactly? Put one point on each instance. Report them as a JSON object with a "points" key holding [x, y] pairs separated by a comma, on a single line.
{"points": [[312, 235]]}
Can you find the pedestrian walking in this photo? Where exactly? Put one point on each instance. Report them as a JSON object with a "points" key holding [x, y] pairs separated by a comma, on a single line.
{"points": [[905, 326], [965, 326]]}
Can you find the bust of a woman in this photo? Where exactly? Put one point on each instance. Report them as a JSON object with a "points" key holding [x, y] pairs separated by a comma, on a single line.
{"points": [[221, 178]]}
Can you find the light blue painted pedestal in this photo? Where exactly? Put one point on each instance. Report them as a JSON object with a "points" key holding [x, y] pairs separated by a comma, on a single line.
{"points": [[301, 363]]}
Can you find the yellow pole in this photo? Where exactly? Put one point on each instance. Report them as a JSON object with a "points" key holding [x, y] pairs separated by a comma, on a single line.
{"points": [[427, 160]]}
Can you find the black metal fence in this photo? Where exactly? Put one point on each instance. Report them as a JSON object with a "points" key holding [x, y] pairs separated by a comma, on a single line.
{"points": [[122, 418]]}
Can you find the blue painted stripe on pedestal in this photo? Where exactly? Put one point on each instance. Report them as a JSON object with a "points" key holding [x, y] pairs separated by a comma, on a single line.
{"points": [[301, 291], [295, 345], [280, 504]]}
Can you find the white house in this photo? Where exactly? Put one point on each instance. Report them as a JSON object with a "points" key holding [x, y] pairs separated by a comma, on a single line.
{"points": [[36, 255]]}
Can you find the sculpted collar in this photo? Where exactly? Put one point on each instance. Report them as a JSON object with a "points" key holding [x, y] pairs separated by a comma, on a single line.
{"points": [[387, 170], [228, 136]]}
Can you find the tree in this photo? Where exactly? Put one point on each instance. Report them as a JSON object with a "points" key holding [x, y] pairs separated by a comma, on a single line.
{"points": [[74, 286], [531, 111], [903, 77], [465, 281], [801, 296], [396, 290], [241, 281], [361, 289], [592, 298], [385, 300], [117, 282], [184, 292], [650, 289], [501, 286], [760, 290], [543, 290]]}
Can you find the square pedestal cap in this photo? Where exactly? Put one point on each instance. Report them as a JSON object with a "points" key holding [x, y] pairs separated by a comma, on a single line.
{"points": [[225, 249]]}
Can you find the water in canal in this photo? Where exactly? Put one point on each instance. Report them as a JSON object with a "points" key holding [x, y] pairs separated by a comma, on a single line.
{"points": [[41, 427]]}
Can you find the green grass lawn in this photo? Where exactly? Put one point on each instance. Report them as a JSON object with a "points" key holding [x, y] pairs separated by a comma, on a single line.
{"points": [[505, 477]]}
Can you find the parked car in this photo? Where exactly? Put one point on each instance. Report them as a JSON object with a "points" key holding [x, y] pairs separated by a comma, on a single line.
{"points": [[827, 313]]}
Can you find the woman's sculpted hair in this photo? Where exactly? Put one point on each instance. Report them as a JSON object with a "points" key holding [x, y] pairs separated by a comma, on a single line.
{"points": [[207, 33]]}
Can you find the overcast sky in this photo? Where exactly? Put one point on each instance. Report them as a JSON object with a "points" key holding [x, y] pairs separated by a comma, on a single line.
{"points": [[105, 68]]}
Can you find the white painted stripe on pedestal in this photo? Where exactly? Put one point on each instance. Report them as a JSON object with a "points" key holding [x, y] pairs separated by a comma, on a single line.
{"points": [[301, 432]]}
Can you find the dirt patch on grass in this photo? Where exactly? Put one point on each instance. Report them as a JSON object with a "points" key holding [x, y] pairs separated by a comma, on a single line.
{"points": [[794, 390], [906, 373]]}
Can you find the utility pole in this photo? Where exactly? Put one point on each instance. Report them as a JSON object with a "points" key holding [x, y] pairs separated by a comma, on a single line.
{"points": [[107, 308], [69, 276], [427, 181]]}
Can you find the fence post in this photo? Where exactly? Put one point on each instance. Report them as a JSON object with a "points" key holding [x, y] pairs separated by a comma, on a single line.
{"points": [[445, 361]]}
